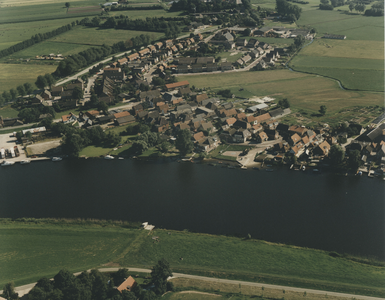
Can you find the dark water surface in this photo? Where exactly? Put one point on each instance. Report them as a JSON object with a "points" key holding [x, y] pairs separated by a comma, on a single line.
{"points": [[325, 211]]}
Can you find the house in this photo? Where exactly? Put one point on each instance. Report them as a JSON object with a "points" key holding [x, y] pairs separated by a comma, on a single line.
{"points": [[322, 149], [262, 137], [262, 118], [184, 91], [127, 285], [254, 53], [272, 134], [137, 108], [225, 66], [46, 95], [121, 114], [252, 43], [123, 61], [206, 127], [241, 42], [263, 31], [211, 67], [334, 36], [92, 114], [124, 120], [300, 130], [56, 90], [294, 139], [173, 86], [133, 56], [242, 124], [239, 62], [200, 97], [113, 73], [207, 144], [242, 135], [276, 113], [256, 108], [246, 58], [198, 136], [197, 68], [205, 60], [228, 112], [205, 111], [69, 118]]}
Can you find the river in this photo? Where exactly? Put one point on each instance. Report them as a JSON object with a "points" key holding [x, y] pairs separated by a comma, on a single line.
{"points": [[324, 211]]}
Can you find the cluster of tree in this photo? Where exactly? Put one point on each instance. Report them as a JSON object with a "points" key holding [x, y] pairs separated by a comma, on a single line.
{"points": [[357, 7], [197, 6], [74, 62], [299, 1], [338, 159], [30, 115], [75, 139], [225, 93], [298, 43], [284, 103], [145, 141], [96, 69], [39, 37], [377, 10], [126, 7], [44, 81], [290, 11], [329, 5]]}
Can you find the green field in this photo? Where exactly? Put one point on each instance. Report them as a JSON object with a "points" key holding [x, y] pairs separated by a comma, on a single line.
{"points": [[12, 75], [302, 90], [98, 37], [30, 251]]}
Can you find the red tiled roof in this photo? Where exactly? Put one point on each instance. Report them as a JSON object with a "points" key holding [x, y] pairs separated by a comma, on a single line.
{"points": [[121, 114], [128, 284], [177, 84]]}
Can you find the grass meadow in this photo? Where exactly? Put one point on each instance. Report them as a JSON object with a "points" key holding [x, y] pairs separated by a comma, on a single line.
{"points": [[12, 75], [302, 90], [31, 250]]}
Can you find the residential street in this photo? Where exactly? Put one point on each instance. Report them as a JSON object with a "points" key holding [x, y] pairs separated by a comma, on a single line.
{"points": [[22, 290]]}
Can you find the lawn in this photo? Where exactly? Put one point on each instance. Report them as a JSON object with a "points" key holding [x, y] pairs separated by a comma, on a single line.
{"points": [[302, 90], [95, 36], [94, 151], [8, 112], [31, 250], [12, 75]]}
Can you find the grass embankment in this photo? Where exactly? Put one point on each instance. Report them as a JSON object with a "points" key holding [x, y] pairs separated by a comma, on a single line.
{"points": [[30, 250]]}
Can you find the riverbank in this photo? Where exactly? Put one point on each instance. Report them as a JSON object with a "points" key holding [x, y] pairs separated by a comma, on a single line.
{"points": [[50, 245]]}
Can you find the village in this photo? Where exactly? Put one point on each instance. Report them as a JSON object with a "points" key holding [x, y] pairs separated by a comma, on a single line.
{"points": [[137, 80]]}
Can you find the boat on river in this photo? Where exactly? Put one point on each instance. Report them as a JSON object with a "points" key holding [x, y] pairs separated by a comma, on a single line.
{"points": [[109, 157], [56, 159], [25, 161], [7, 163]]}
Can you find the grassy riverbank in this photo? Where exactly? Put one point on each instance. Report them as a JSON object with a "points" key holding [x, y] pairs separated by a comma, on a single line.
{"points": [[32, 248]]}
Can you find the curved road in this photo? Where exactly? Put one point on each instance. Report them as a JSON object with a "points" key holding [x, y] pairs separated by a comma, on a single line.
{"points": [[22, 290]]}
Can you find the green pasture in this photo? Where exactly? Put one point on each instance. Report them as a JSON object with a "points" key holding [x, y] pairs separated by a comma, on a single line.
{"points": [[11, 34], [29, 253], [32, 250], [8, 112], [12, 3], [12, 75], [360, 74], [97, 37], [302, 90], [345, 49], [354, 26], [49, 11], [47, 47]]}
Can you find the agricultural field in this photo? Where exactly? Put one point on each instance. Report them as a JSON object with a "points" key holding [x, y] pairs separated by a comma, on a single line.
{"points": [[302, 90], [34, 249], [142, 14], [12, 75], [97, 37]]}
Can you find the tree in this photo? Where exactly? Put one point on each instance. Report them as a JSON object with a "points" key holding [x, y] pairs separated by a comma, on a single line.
{"points": [[164, 146], [120, 276], [102, 106], [73, 143], [336, 155], [28, 88], [6, 95], [41, 82], [49, 78], [354, 160], [183, 142], [13, 93], [77, 93], [157, 81], [247, 32], [284, 103], [322, 110], [351, 6], [9, 291], [67, 4], [138, 147], [299, 41], [21, 90], [159, 274]]}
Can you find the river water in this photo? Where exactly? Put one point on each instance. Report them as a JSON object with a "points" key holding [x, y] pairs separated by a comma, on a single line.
{"points": [[324, 211]]}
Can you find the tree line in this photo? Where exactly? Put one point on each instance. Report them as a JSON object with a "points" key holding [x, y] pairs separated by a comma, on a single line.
{"points": [[125, 7], [197, 6], [37, 38], [95, 285]]}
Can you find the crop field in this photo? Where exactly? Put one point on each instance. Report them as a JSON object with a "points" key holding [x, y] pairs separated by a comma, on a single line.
{"points": [[9, 3], [98, 37], [32, 250], [12, 75], [142, 14], [302, 90]]}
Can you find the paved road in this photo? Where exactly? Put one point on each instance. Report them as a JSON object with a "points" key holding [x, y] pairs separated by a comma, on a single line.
{"points": [[22, 290]]}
